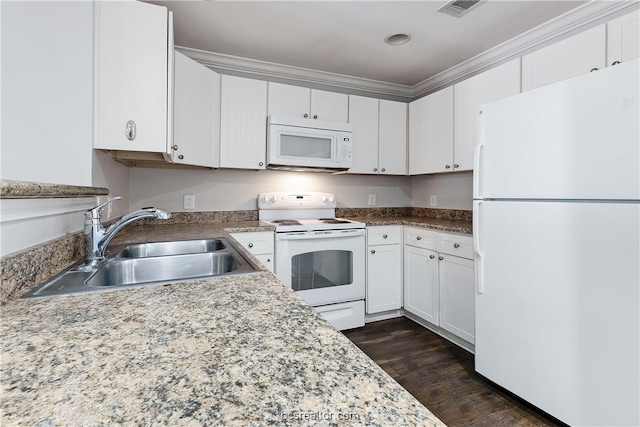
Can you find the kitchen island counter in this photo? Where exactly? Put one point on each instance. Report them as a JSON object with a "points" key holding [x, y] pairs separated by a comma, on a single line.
{"points": [[235, 350]]}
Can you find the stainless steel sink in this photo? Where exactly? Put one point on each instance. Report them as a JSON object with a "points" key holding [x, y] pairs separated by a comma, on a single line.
{"points": [[133, 271], [180, 247], [148, 264]]}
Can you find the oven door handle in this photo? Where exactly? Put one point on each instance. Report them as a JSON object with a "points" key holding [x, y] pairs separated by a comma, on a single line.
{"points": [[312, 235]]}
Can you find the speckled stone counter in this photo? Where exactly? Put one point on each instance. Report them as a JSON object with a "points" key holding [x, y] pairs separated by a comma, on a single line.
{"points": [[24, 189], [441, 224], [238, 350]]}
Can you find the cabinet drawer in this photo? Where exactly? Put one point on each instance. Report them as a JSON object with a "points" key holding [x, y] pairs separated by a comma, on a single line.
{"points": [[421, 238], [258, 242], [455, 244], [384, 235]]}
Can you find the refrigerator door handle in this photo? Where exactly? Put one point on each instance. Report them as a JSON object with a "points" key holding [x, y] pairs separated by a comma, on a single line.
{"points": [[478, 156], [477, 217]]}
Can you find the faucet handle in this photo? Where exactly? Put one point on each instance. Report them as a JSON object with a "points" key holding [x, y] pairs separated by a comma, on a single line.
{"points": [[94, 213]]}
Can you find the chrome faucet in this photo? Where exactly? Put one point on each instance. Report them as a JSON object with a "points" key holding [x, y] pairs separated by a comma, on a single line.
{"points": [[96, 237]]}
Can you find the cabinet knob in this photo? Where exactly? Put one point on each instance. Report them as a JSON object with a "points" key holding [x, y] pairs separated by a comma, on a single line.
{"points": [[440, 258], [315, 116], [447, 166], [268, 259], [615, 62], [373, 251], [456, 245], [455, 165], [419, 238], [305, 115], [594, 69], [375, 169], [181, 157], [250, 245], [432, 256], [383, 169], [384, 236], [175, 147], [130, 130], [261, 164]]}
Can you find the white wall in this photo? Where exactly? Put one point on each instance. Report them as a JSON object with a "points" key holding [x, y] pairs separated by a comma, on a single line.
{"points": [[220, 190], [47, 91], [452, 190], [47, 119]]}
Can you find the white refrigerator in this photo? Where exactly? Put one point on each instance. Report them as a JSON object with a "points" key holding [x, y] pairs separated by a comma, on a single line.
{"points": [[556, 227]]}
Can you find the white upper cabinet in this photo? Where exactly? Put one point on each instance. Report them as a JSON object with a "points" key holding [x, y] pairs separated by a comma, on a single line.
{"points": [[623, 38], [567, 58], [379, 136], [492, 85], [196, 130], [133, 70], [296, 101], [431, 133], [363, 115], [392, 138], [243, 123]]}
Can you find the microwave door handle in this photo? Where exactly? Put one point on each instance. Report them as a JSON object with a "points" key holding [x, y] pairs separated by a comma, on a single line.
{"points": [[338, 155]]}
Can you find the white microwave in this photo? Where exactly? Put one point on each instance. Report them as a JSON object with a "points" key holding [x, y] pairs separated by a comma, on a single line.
{"points": [[307, 144]]}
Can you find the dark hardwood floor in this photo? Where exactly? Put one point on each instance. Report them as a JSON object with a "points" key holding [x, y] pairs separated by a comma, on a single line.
{"points": [[441, 376]]}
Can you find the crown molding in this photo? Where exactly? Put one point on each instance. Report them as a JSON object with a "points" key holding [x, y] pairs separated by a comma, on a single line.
{"points": [[589, 15], [270, 70]]}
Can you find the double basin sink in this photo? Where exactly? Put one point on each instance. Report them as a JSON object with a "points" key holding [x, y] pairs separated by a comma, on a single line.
{"points": [[145, 264]]}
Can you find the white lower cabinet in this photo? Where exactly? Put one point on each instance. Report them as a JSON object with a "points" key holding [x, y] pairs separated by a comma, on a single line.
{"points": [[439, 280], [457, 296], [421, 283], [384, 268], [259, 243]]}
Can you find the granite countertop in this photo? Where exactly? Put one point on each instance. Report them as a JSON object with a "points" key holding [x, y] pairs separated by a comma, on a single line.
{"points": [[440, 224], [236, 350]]}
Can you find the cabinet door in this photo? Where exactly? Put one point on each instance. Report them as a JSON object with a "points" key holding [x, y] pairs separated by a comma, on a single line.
{"points": [[421, 283], [329, 106], [623, 38], [288, 100], [492, 85], [570, 57], [243, 123], [132, 46], [457, 296], [392, 139], [196, 115], [431, 133], [363, 115], [384, 278], [259, 243]]}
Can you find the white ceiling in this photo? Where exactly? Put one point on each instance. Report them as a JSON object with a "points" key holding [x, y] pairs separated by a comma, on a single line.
{"points": [[347, 37]]}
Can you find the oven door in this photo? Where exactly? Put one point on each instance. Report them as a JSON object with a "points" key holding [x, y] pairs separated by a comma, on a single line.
{"points": [[324, 267]]}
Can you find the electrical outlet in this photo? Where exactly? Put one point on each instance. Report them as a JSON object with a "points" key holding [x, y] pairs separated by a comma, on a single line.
{"points": [[434, 201], [189, 201], [372, 199]]}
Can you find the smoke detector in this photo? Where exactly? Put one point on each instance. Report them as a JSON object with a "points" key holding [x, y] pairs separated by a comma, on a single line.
{"points": [[458, 8]]}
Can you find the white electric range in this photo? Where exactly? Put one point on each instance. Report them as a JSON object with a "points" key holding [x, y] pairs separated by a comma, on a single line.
{"points": [[320, 256]]}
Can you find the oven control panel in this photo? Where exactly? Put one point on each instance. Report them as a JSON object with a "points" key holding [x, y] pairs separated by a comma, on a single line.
{"points": [[296, 199]]}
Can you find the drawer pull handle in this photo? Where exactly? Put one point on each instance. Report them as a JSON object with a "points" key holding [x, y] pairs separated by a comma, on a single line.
{"points": [[373, 251], [250, 245], [384, 236], [456, 245], [419, 238]]}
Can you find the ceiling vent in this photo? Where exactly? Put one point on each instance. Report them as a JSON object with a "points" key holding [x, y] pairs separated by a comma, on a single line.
{"points": [[458, 8]]}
